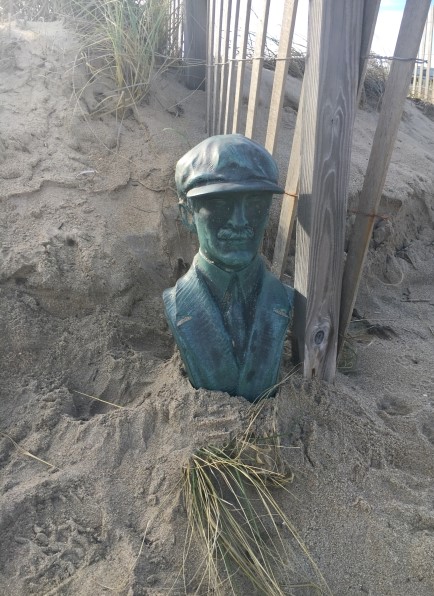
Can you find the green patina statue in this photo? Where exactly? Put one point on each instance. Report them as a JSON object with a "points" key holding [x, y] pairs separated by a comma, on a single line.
{"points": [[229, 314]]}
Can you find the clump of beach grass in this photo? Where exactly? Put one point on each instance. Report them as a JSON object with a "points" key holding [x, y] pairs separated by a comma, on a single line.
{"points": [[232, 497], [374, 83], [123, 43]]}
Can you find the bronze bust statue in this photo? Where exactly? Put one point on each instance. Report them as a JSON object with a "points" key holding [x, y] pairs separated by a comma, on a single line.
{"points": [[229, 314]]}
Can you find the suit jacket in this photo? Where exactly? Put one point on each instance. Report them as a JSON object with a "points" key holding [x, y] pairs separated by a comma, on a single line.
{"points": [[206, 347]]}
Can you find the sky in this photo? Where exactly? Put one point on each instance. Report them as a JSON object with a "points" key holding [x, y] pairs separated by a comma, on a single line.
{"points": [[386, 32], [387, 28]]}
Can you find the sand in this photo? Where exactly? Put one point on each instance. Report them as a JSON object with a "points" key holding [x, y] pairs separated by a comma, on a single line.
{"points": [[89, 239]]}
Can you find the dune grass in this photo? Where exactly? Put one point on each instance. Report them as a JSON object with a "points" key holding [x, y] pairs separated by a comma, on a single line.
{"points": [[123, 41], [232, 498]]}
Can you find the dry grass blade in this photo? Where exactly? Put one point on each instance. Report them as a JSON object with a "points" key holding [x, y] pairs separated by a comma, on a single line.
{"points": [[239, 523], [28, 454], [103, 401]]}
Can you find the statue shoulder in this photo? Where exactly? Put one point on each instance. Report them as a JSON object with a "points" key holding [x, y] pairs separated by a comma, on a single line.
{"points": [[179, 298], [278, 291]]}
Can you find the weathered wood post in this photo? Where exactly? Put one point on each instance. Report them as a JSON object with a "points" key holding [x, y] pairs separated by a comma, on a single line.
{"points": [[329, 106], [290, 199], [413, 20], [195, 48]]}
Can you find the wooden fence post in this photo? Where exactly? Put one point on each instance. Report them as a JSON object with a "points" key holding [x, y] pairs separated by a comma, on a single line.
{"points": [[290, 198], [415, 14], [329, 106], [195, 50]]}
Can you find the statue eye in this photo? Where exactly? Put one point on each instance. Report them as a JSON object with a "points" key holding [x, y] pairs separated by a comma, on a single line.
{"points": [[220, 203]]}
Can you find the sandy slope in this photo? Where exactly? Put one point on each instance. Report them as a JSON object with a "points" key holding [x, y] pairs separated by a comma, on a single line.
{"points": [[89, 239]]}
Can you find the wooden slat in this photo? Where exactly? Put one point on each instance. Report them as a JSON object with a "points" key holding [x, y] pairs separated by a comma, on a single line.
{"points": [[413, 85], [240, 70], [370, 14], [414, 17], [210, 69], [217, 69], [255, 82], [230, 96], [195, 52], [332, 77], [224, 72], [418, 66], [181, 26], [422, 55], [429, 24], [290, 198], [280, 73]]}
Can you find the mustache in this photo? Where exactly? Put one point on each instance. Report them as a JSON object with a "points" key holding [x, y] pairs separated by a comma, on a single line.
{"points": [[244, 233]]}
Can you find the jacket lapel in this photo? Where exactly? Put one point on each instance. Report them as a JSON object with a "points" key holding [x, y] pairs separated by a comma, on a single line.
{"points": [[272, 316], [207, 348]]}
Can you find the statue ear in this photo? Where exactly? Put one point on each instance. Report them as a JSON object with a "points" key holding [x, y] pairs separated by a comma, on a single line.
{"points": [[187, 218]]}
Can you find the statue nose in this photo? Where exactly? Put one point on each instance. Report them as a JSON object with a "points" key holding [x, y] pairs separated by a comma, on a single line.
{"points": [[238, 218]]}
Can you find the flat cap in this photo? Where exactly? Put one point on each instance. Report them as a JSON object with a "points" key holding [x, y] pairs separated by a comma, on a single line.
{"points": [[226, 163]]}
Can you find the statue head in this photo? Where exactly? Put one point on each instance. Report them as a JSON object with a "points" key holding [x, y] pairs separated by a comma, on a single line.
{"points": [[225, 186]]}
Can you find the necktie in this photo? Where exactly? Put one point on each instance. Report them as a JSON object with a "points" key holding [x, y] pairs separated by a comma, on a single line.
{"points": [[235, 317]]}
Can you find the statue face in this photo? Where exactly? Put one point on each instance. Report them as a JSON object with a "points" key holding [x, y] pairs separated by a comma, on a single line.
{"points": [[231, 226]]}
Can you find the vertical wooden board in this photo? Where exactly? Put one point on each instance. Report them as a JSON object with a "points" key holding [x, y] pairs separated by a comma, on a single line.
{"points": [[431, 94], [258, 60], [413, 85], [180, 27], [289, 202], [418, 67], [217, 68], [429, 25], [280, 73], [241, 68], [397, 85], [195, 47], [335, 40], [290, 198], [422, 65], [370, 14], [224, 72], [307, 145], [210, 68], [230, 95]]}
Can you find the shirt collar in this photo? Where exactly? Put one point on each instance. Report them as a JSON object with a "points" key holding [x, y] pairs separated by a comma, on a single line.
{"points": [[218, 279]]}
